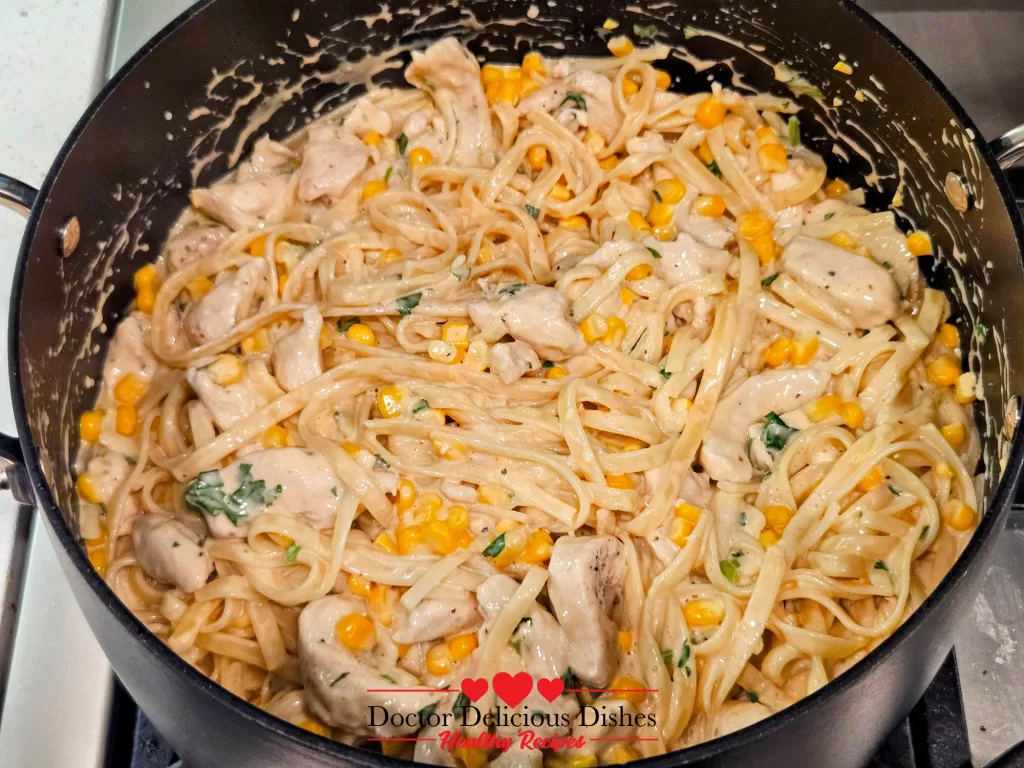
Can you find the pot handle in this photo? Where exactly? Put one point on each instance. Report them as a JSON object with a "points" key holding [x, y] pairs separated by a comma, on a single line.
{"points": [[1009, 148], [17, 195]]}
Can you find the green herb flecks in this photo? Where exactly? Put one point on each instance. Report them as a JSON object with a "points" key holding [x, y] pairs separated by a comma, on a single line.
{"points": [[829, 216], [390, 679], [575, 98], [346, 323], [713, 167], [924, 532], [334, 490], [894, 490], [770, 279], [731, 570], [511, 290], [753, 697], [402, 142], [645, 31], [743, 518], [569, 681], [656, 195], [421, 406], [881, 566], [547, 364], [387, 174], [981, 331], [206, 494], [666, 375], [462, 273], [461, 705], [776, 433], [338, 679], [427, 711], [496, 547], [666, 657], [291, 553], [533, 210], [407, 304], [381, 462], [684, 657], [654, 253], [794, 131]]}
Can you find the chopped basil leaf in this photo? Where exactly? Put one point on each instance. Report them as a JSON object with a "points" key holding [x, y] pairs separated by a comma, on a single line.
{"points": [[175, 545], [887, 265], [496, 547], [753, 697], [575, 98], [794, 131], [532, 210], [981, 331], [338, 679], [770, 279], [334, 490], [776, 433], [390, 679], [880, 566], [829, 216], [665, 374], [348, 322], [713, 167], [894, 490], [547, 364], [427, 711], [924, 532], [291, 553], [422, 405], [515, 645], [460, 705], [511, 290], [684, 656], [402, 142], [743, 518], [666, 657], [654, 253], [655, 195], [206, 494], [569, 680], [731, 570], [387, 175], [381, 462], [407, 304]]}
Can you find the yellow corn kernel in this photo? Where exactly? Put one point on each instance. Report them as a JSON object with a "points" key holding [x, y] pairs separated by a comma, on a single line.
{"points": [[419, 157], [385, 542], [593, 327], [491, 74], [950, 336], [359, 585], [616, 332], [754, 223], [145, 301], [389, 401], [537, 157], [86, 489], [406, 495], [225, 370], [622, 482], [560, 192], [703, 613], [636, 220], [919, 243], [126, 420], [764, 247], [772, 158], [458, 516], [765, 135], [351, 448], [449, 449], [576, 761], [326, 338], [629, 88], [430, 504], [666, 233], [943, 371], [628, 688], [96, 549], [711, 113], [768, 538], [515, 545], [679, 531], [823, 408], [871, 480], [594, 141], [89, 425], [373, 139], [803, 350], [410, 537], [942, 469], [493, 494], [704, 153], [843, 67], [853, 414], [662, 80], [538, 547], [710, 205], [514, 73], [620, 754], [440, 535], [199, 287], [626, 296], [671, 191], [258, 342], [965, 390], [527, 87], [778, 352], [626, 640], [687, 512], [389, 254], [379, 603], [356, 632], [778, 516], [574, 222], [639, 272], [146, 277], [955, 434], [129, 389], [843, 240], [456, 332], [362, 334], [314, 726], [444, 352], [462, 647], [275, 437], [610, 24], [836, 189], [439, 660], [620, 46], [958, 515], [507, 91], [533, 63], [373, 188], [471, 757], [607, 163], [661, 214], [505, 525], [556, 373]]}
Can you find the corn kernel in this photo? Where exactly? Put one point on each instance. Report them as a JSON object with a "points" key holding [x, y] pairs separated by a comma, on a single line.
{"points": [[754, 223], [671, 191], [950, 336], [351, 448], [778, 516], [89, 425], [362, 334], [431, 504], [225, 370], [86, 489], [804, 350], [514, 73], [870, 481], [444, 352], [843, 240], [619, 754], [406, 495], [275, 437], [505, 525], [507, 91], [574, 222], [636, 220], [662, 80], [843, 68], [628, 688], [593, 327], [410, 537], [823, 408], [576, 761], [473, 757], [778, 352], [943, 371], [495, 495], [556, 372], [455, 332], [96, 549], [537, 157], [836, 189], [199, 287], [385, 542], [704, 153], [965, 388], [389, 254], [607, 163], [666, 233], [919, 244], [419, 157], [616, 332], [491, 74], [768, 538], [639, 272], [449, 449], [532, 62], [772, 158], [610, 24], [620, 46], [515, 544], [687, 512], [955, 434], [462, 647], [373, 188], [626, 296], [958, 515], [629, 88], [440, 535], [623, 482], [126, 420], [258, 342], [315, 726], [129, 389], [439, 660], [373, 139], [679, 531], [560, 192], [942, 469], [145, 301], [389, 401], [594, 141], [625, 641], [765, 135], [764, 247], [710, 113], [379, 602], [710, 205], [458, 516], [703, 613], [356, 632], [661, 214], [359, 585], [538, 547], [146, 277], [852, 414]]}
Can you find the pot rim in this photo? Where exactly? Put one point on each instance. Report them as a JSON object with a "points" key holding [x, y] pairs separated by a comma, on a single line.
{"points": [[991, 523]]}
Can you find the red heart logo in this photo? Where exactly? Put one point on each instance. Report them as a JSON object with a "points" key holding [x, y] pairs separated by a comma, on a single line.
{"points": [[474, 689], [512, 690], [550, 689]]}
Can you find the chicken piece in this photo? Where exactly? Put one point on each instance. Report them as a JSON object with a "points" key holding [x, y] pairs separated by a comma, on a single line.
{"points": [[247, 204], [193, 244], [653, 143], [533, 315], [107, 471], [725, 460], [433, 619], [366, 117], [713, 231], [597, 110], [129, 352], [338, 682], [227, 303], [297, 354], [269, 158], [736, 715], [425, 128], [695, 488], [451, 75], [512, 361], [858, 287], [585, 585], [684, 259], [294, 482], [169, 552], [331, 161], [771, 391], [226, 404]]}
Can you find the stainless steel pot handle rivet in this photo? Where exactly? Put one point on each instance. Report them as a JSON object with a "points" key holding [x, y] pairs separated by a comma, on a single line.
{"points": [[1009, 148]]}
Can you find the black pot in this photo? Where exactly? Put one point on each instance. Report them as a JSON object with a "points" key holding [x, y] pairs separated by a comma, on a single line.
{"points": [[123, 177]]}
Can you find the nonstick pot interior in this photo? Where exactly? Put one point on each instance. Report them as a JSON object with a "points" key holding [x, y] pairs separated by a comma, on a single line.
{"points": [[193, 102]]}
